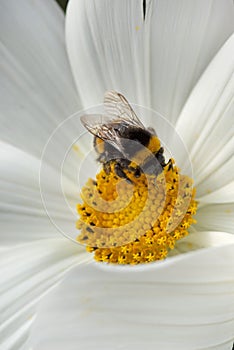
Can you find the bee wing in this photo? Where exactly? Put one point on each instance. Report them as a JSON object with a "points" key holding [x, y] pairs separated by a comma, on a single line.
{"points": [[116, 106], [94, 122], [100, 126]]}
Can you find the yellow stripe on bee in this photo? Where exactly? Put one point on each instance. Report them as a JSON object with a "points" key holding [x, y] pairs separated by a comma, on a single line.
{"points": [[99, 145], [141, 156], [154, 144]]}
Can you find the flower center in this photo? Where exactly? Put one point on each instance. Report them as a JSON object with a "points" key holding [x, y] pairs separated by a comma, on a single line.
{"points": [[136, 221]]}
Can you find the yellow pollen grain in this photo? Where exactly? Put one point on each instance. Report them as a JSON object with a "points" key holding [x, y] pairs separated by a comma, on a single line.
{"points": [[77, 150], [137, 222]]}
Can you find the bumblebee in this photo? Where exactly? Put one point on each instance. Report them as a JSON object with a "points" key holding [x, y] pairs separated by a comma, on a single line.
{"points": [[121, 138]]}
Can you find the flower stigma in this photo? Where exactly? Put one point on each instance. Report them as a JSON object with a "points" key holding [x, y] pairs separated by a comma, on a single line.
{"points": [[135, 221]]}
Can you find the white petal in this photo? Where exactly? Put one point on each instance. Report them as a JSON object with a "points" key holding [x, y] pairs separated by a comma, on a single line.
{"points": [[27, 273], [22, 214], [206, 123], [220, 177], [216, 217], [199, 239], [154, 62], [222, 195], [37, 90], [224, 346], [186, 301]]}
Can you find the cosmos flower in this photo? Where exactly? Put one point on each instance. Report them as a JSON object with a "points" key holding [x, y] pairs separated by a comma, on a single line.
{"points": [[176, 57]]}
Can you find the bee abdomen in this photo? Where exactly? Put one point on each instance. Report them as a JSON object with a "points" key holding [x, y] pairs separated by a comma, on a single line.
{"points": [[155, 163]]}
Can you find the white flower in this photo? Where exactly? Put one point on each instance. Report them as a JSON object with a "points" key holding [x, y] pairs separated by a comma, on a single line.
{"points": [[159, 61]]}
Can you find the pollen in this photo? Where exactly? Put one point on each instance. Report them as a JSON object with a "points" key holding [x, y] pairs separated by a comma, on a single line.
{"points": [[136, 221]]}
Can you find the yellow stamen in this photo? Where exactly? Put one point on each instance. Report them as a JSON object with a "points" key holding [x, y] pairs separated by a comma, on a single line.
{"points": [[138, 222]]}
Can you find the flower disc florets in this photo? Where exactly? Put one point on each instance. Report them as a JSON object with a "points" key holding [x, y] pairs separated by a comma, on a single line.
{"points": [[137, 222]]}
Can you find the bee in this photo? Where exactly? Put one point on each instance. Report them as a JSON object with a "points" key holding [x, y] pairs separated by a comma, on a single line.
{"points": [[120, 137]]}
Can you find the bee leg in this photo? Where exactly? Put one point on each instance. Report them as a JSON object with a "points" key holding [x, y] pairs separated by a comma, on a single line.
{"points": [[119, 172], [137, 172], [124, 163], [170, 164], [160, 157]]}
